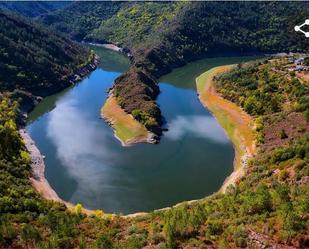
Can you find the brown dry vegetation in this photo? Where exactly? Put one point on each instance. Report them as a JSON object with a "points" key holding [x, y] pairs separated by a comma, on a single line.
{"points": [[292, 124]]}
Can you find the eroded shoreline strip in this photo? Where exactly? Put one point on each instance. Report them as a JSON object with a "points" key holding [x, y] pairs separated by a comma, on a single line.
{"points": [[37, 179], [238, 125], [126, 129]]}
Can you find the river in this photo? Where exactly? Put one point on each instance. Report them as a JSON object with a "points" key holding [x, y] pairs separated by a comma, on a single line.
{"points": [[86, 164]]}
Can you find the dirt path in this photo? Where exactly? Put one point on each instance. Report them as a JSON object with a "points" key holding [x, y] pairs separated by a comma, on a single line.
{"points": [[238, 125]]}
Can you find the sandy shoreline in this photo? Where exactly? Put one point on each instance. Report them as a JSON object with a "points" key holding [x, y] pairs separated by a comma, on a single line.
{"points": [[229, 115], [38, 180], [107, 45]]}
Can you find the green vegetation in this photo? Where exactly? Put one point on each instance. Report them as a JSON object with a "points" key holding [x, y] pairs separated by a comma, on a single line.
{"points": [[33, 57], [79, 19], [162, 36], [133, 25], [264, 88], [126, 128], [33, 8], [194, 32], [144, 118]]}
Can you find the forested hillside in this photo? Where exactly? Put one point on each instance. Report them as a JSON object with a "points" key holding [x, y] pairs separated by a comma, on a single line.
{"points": [[206, 29], [80, 19], [32, 8], [35, 59], [138, 25], [162, 36]]}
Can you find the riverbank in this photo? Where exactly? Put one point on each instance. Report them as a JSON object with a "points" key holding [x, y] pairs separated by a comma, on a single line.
{"points": [[105, 45], [113, 142], [28, 100], [126, 129], [37, 179], [238, 125]]}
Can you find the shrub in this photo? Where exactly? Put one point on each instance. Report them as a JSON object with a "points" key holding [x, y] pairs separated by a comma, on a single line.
{"points": [[214, 227], [103, 242], [307, 115], [283, 134], [240, 236], [30, 233], [135, 242], [283, 175]]}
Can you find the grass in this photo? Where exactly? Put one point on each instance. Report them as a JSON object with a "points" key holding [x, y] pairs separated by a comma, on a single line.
{"points": [[126, 128], [238, 125]]}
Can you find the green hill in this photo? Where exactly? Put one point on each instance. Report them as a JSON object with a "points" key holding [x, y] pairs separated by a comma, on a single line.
{"points": [[79, 19], [32, 8], [187, 31], [35, 59]]}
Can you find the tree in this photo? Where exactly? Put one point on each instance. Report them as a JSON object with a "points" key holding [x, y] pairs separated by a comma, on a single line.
{"points": [[103, 242], [28, 234]]}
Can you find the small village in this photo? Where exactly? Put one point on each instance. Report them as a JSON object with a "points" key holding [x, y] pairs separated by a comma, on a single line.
{"points": [[300, 64]]}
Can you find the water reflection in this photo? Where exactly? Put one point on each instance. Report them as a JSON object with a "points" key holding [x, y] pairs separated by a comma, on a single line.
{"points": [[198, 126], [86, 164], [81, 146]]}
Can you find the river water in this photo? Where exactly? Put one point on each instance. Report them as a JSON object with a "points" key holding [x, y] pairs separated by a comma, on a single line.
{"points": [[86, 164]]}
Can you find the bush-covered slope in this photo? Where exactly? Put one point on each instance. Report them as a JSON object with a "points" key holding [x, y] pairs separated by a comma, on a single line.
{"points": [[35, 59], [79, 19], [139, 24]]}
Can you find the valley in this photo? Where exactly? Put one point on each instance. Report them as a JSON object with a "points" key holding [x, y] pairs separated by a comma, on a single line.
{"points": [[189, 130]]}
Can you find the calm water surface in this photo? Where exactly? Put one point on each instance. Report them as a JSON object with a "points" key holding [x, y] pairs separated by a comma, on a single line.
{"points": [[86, 164]]}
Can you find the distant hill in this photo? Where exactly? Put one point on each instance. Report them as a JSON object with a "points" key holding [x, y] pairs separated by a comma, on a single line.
{"points": [[32, 9], [79, 19], [33, 58]]}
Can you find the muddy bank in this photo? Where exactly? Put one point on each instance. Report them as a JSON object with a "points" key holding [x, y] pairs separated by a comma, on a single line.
{"points": [[238, 125]]}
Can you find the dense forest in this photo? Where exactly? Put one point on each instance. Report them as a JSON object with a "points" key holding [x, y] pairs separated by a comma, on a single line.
{"points": [[32, 8], [36, 60], [162, 36], [80, 19]]}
